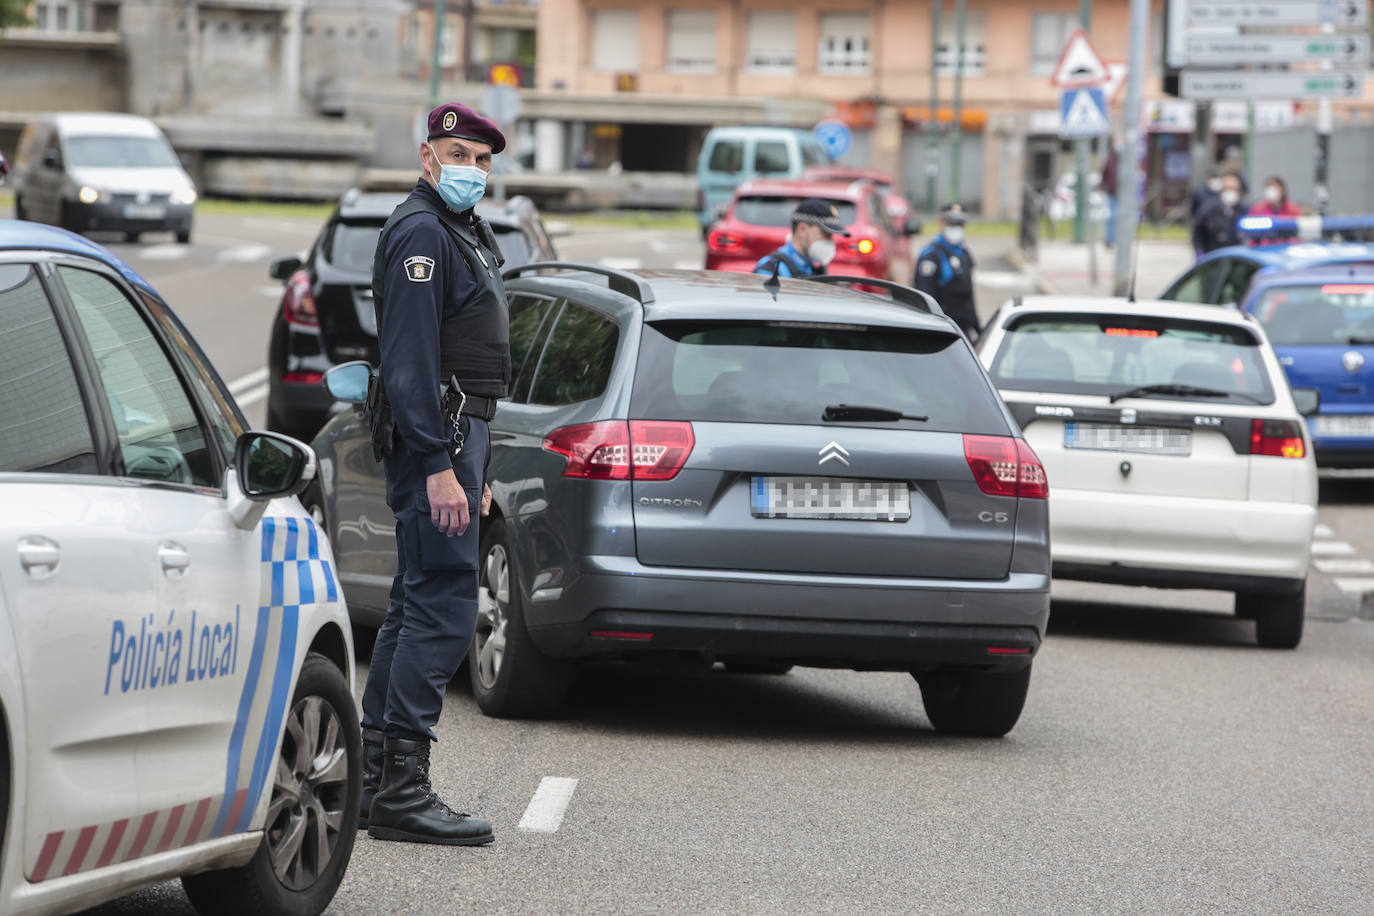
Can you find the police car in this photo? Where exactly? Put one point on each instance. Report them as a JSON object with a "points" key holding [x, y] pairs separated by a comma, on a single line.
{"points": [[175, 656], [1175, 449]]}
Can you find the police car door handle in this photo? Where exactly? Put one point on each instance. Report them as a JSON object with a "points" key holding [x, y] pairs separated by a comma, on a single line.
{"points": [[38, 555], [173, 557]]}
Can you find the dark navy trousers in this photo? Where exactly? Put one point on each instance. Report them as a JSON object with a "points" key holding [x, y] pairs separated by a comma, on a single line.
{"points": [[433, 607]]}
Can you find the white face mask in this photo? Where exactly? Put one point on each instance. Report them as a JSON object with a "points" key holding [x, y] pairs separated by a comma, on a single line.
{"points": [[1273, 194], [1230, 198], [822, 251], [1214, 185], [954, 235]]}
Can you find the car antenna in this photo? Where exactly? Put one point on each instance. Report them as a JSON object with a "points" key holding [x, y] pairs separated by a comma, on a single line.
{"points": [[772, 284]]}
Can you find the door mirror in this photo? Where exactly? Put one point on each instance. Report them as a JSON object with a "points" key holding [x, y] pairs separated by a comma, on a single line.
{"points": [[913, 226], [283, 268], [270, 465], [51, 159], [1307, 400], [348, 382]]}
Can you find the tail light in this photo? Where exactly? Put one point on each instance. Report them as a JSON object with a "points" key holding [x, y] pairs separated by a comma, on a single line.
{"points": [[616, 450], [1279, 438], [723, 241], [298, 305], [1004, 466], [863, 247], [302, 378]]}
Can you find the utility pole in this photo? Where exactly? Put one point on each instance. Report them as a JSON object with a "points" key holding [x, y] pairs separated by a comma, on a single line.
{"points": [[933, 122], [1323, 154], [1080, 152], [1128, 174], [435, 57], [957, 127]]}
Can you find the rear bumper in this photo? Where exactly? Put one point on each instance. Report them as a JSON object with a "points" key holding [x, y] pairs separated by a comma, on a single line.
{"points": [[1343, 453], [835, 621], [1194, 540]]}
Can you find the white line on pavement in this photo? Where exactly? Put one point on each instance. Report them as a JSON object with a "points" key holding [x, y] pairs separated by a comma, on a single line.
{"points": [[271, 290], [244, 382], [163, 252], [245, 253], [1002, 279], [1323, 531], [252, 396], [545, 812], [1344, 565], [1331, 548], [1355, 586]]}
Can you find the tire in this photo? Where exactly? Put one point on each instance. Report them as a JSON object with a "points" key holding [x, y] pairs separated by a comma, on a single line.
{"points": [[981, 703], [756, 666], [321, 723], [511, 678], [184, 237], [131, 237], [1279, 618]]}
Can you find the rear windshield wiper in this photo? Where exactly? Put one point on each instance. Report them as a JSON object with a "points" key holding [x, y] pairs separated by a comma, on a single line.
{"points": [[1184, 391], [860, 412]]}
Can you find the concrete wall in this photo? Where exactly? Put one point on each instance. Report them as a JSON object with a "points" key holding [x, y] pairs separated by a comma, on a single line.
{"points": [[1292, 155], [42, 77]]}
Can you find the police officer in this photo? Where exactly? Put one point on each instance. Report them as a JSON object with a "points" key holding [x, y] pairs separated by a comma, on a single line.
{"points": [[945, 271], [811, 246], [445, 360]]}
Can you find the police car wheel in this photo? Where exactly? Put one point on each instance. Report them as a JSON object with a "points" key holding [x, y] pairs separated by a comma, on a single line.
{"points": [[510, 677], [312, 813], [979, 703], [1279, 619]]}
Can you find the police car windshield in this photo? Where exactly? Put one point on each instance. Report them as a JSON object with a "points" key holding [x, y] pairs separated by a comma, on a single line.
{"points": [[763, 210], [119, 152], [1331, 314], [1108, 354]]}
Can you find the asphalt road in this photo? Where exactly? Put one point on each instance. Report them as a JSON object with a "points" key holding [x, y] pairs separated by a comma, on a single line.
{"points": [[1163, 763]]}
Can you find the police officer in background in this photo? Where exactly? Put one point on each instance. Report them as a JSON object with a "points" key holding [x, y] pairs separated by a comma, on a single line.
{"points": [[945, 271], [811, 246], [445, 360]]}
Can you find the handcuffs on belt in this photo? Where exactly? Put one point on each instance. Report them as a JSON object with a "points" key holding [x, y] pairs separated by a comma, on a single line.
{"points": [[454, 390]]}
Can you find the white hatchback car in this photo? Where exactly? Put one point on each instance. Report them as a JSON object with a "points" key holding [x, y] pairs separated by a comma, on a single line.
{"points": [[1176, 453], [175, 657]]}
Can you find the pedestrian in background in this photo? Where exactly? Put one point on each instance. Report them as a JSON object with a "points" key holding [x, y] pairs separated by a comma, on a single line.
{"points": [[1275, 203], [944, 269], [445, 361], [811, 246], [1216, 224], [1233, 163], [1204, 193], [1108, 184]]}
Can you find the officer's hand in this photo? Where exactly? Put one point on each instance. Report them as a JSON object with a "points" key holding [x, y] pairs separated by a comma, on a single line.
{"points": [[448, 504], [486, 500]]}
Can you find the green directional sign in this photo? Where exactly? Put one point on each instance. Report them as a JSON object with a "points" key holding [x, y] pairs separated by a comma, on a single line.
{"points": [[1265, 85], [1244, 50]]}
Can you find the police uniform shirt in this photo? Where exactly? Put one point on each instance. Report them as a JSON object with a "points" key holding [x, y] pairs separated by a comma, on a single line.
{"points": [[791, 263], [426, 278], [943, 264]]}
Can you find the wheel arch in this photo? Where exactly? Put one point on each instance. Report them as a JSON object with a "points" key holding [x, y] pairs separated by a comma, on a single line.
{"points": [[330, 642]]}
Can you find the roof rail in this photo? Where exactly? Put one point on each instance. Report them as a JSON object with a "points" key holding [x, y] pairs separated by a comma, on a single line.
{"points": [[903, 294], [620, 281]]}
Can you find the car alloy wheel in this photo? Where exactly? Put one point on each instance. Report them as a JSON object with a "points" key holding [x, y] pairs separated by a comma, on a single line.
{"points": [[309, 794], [493, 610]]}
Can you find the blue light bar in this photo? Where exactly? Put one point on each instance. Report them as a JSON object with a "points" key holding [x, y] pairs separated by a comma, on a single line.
{"points": [[1304, 227]]}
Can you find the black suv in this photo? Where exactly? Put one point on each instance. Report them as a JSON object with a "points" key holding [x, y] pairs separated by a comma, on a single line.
{"points": [[326, 314]]}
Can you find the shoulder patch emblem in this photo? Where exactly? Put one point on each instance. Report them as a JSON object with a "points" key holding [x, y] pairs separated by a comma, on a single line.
{"points": [[419, 269], [927, 268]]}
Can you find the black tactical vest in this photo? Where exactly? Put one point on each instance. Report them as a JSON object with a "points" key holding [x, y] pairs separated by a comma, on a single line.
{"points": [[474, 339]]}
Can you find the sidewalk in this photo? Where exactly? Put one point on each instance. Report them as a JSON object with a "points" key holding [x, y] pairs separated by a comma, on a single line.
{"points": [[1063, 268]]}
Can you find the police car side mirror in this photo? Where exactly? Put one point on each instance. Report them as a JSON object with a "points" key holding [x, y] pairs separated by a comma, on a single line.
{"points": [[266, 466], [1307, 400], [913, 226], [283, 268], [348, 381]]}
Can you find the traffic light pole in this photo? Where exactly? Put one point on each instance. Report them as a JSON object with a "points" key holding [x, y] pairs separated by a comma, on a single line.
{"points": [[1128, 173], [957, 128], [438, 47], [1080, 153], [932, 122]]}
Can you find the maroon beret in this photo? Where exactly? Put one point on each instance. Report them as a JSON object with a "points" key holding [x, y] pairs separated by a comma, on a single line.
{"points": [[454, 120]]}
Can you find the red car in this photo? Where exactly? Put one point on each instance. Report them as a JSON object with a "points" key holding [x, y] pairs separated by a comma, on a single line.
{"points": [[898, 207], [759, 220]]}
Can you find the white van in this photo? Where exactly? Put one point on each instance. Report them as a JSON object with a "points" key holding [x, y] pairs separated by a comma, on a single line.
{"points": [[731, 156], [101, 172]]}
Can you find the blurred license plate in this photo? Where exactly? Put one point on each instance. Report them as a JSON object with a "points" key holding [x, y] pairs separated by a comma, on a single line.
{"points": [[1337, 425], [830, 497], [144, 211], [1155, 440]]}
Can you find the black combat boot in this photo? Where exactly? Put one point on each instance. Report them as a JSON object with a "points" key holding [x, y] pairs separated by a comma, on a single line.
{"points": [[372, 772], [406, 808]]}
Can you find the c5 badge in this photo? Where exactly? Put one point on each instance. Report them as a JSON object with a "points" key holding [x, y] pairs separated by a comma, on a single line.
{"points": [[419, 269]]}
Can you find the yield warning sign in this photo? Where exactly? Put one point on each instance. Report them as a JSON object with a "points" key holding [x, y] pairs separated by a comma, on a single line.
{"points": [[1079, 65], [1083, 113]]}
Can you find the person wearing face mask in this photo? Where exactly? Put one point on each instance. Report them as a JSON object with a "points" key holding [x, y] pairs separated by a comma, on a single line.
{"points": [[1275, 203], [944, 269], [1216, 224], [443, 332], [1203, 194], [811, 246]]}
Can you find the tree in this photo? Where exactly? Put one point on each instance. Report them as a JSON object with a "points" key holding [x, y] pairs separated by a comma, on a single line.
{"points": [[13, 13]]}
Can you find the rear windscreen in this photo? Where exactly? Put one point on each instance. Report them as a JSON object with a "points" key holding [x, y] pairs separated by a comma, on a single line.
{"points": [[352, 245], [1331, 314], [1109, 354], [789, 372], [777, 211]]}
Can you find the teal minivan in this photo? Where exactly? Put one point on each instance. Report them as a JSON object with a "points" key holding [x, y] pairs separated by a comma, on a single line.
{"points": [[732, 155]]}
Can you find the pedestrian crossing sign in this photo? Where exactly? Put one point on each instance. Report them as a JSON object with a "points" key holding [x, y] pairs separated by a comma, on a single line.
{"points": [[1083, 113]]}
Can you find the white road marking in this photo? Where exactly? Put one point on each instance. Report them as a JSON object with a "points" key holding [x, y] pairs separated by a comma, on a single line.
{"points": [[245, 382], [271, 291], [622, 263], [687, 265], [1331, 548], [546, 809], [1355, 586], [1323, 531], [1345, 565], [245, 253], [252, 396], [1000, 279], [163, 252]]}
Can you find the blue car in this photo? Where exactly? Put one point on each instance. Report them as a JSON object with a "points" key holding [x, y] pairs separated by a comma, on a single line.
{"points": [[1222, 277]]}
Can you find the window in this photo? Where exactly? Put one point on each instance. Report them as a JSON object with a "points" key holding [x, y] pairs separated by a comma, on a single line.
{"points": [[1049, 33], [514, 245], [160, 437], [120, 152], [772, 43], [777, 211], [726, 156], [844, 47], [770, 157], [615, 40], [1336, 314], [576, 364], [1237, 281], [448, 44], [692, 41], [43, 421], [526, 317], [975, 44], [1198, 283], [57, 16], [813, 154]]}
